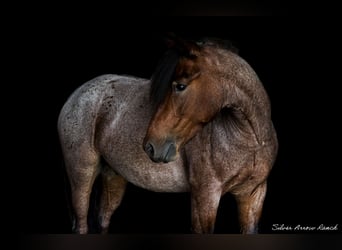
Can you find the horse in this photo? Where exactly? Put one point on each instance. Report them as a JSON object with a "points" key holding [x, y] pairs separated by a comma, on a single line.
{"points": [[202, 124]]}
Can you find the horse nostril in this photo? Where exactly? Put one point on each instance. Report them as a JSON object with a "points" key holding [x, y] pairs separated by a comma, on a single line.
{"points": [[149, 149]]}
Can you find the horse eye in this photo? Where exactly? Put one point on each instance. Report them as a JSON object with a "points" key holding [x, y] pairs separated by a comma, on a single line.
{"points": [[180, 87]]}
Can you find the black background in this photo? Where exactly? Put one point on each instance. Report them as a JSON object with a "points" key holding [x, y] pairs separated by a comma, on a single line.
{"points": [[291, 59]]}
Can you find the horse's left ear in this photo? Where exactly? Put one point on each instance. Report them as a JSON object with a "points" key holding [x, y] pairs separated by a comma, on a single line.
{"points": [[185, 47], [192, 49]]}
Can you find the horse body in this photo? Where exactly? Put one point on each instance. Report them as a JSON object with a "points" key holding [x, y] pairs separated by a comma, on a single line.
{"points": [[103, 126], [110, 115]]}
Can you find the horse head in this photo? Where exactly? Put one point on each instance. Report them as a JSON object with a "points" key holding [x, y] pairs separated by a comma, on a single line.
{"points": [[188, 95]]}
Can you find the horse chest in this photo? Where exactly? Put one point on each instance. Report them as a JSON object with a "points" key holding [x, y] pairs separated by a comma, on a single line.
{"points": [[214, 153]]}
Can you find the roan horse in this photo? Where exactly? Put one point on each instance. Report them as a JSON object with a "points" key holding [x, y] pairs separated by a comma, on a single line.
{"points": [[201, 125]]}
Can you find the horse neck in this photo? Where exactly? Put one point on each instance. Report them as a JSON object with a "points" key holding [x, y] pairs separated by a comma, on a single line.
{"points": [[244, 92]]}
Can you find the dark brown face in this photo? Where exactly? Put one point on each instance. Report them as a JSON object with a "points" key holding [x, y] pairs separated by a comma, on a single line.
{"points": [[190, 104]]}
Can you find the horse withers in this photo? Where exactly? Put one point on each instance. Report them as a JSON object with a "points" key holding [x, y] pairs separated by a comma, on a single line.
{"points": [[202, 124]]}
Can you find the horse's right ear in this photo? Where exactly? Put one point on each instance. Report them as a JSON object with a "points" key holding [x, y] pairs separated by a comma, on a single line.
{"points": [[186, 48]]}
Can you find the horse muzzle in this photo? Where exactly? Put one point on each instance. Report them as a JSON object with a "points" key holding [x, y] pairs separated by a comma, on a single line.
{"points": [[165, 152]]}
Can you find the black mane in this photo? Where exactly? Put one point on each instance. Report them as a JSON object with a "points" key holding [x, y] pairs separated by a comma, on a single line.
{"points": [[163, 75]]}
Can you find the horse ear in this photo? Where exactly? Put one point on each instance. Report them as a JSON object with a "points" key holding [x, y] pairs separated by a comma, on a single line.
{"points": [[185, 47]]}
